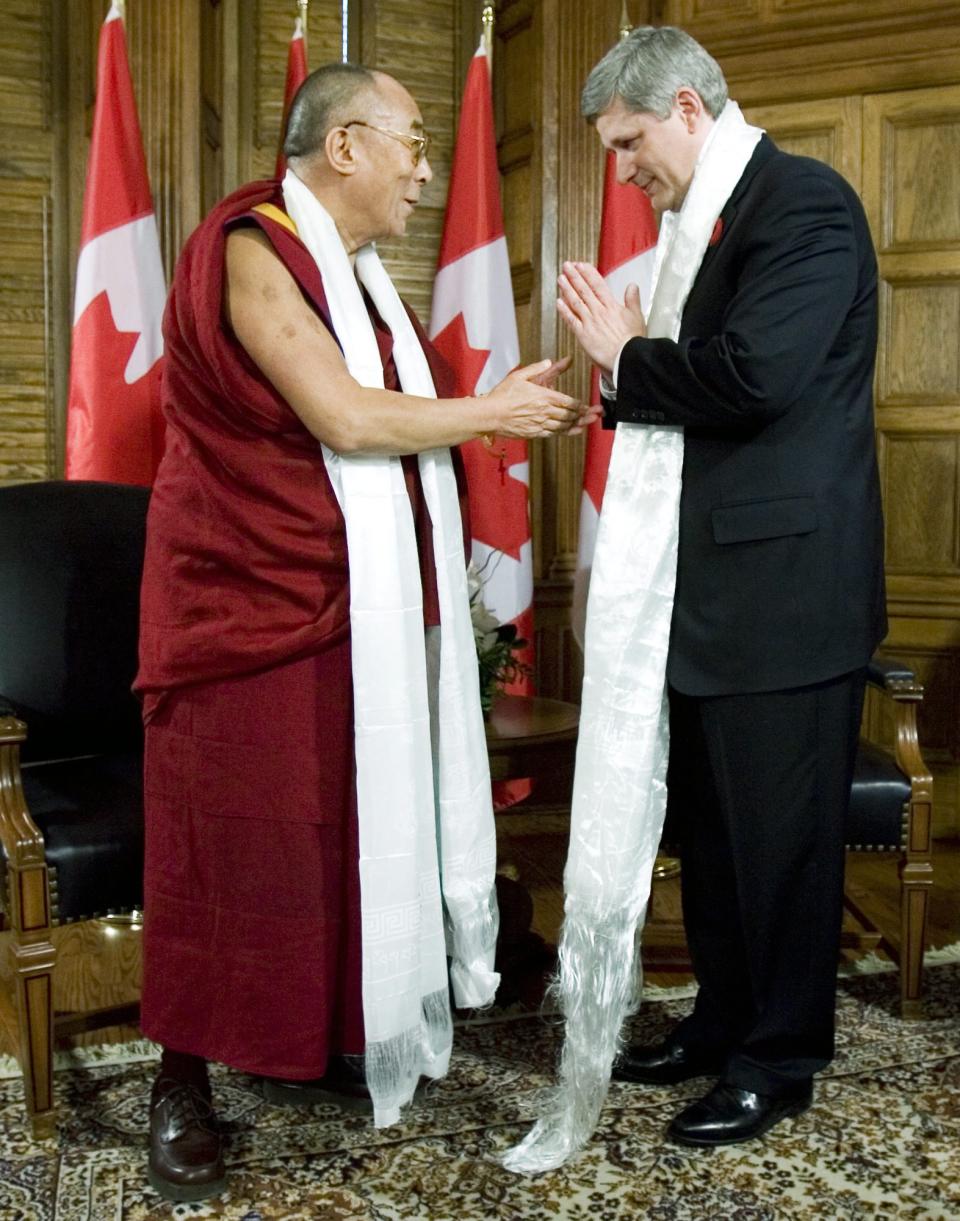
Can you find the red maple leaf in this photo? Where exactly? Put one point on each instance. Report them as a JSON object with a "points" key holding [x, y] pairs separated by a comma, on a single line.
{"points": [[467, 363], [114, 429], [498, 502]]}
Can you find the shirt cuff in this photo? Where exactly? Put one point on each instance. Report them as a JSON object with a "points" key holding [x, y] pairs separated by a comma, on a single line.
{"points": [[608, 385]]}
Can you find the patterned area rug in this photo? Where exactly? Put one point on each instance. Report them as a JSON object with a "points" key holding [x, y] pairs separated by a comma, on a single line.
{"points": [[881, 1141]]}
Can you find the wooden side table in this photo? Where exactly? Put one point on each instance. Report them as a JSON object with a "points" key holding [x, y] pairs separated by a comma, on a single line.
{"points": [[528, 735], [536, 737]]}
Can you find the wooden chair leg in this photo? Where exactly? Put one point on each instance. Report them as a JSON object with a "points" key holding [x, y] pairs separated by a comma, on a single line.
{"points": [[35, 1006], [30, 916], [34, 957], [915, 880]]}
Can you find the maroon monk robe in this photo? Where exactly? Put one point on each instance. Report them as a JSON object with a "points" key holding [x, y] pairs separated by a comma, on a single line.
{"points": [[252, 935]]}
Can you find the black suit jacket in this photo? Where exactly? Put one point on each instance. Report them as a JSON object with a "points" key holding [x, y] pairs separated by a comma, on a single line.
{"points": [[780, 568]]}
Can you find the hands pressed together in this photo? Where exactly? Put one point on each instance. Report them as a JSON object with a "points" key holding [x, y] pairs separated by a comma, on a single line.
{"points": [[525, 405], [598, 321]]}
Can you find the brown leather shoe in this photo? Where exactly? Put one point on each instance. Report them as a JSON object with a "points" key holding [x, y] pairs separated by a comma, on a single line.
{"points": [[186, 1149]]}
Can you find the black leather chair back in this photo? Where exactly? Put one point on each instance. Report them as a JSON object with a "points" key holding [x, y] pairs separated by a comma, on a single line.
{"points": [[71, 558]]}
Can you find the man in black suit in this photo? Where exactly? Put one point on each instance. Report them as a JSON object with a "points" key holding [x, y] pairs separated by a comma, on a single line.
{"points": [[779, 598]]}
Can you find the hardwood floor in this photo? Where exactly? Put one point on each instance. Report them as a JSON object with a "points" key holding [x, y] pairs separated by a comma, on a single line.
{"points": [[99, 962], [532, 847]]}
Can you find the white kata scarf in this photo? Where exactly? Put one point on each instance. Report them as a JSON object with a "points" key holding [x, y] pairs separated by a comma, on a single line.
{"points": [[619, 794], [407, 811]]}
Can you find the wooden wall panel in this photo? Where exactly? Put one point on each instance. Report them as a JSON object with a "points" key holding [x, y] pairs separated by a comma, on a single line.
{"points": [[163, 40], [917, 365], [26, 187], [516, 78], [784, 50], [212, 103], [714, 11], [24, 348], [421, 43], [911, 186], [829, 129], [920, 479], [265, 28], [922, 152]]}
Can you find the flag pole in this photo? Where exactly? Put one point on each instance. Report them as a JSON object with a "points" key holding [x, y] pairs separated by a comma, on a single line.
{"points": [[625, 26], [488, 18], [302, 8]]}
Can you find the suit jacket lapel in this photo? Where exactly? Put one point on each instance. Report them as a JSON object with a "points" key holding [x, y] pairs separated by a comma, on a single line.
{"points": [[761, 155]]}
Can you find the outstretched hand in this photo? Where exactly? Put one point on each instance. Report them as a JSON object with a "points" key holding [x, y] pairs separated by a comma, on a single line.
{"points": [[598, 322], [552, 372], [526, 405]]}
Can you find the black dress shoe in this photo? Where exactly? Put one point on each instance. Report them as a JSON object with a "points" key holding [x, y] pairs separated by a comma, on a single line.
{"points": [[343, 1080], [666, 1064], [186, 1149], [728, 1115]]}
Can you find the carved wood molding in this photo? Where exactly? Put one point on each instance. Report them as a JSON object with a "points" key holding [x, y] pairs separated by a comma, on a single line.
{"points": [[790, 52]]}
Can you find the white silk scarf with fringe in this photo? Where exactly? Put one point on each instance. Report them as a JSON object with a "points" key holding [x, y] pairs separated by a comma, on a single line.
{"points": [[619, 793], [420, 819]]}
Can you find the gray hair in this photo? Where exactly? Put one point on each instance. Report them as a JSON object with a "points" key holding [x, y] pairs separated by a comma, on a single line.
{"points": [[322, 102], [646, 69]]}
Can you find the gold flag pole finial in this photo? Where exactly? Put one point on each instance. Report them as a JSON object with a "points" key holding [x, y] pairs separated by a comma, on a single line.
{"points": [[625, 26], [488, 19], [302, 7]]}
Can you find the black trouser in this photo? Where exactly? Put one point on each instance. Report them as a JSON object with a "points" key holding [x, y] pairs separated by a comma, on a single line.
{"points": [[759, 787]]}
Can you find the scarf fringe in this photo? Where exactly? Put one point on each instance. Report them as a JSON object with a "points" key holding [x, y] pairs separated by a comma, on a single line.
{"points": [[393, 1067], [597, 987]]}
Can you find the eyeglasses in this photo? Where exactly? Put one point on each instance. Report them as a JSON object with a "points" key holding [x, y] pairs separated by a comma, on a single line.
{"points": [[418, 145]]}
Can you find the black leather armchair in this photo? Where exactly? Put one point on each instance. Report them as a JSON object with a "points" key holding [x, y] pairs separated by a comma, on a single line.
{"points": [[71, 741], [891, 809]]}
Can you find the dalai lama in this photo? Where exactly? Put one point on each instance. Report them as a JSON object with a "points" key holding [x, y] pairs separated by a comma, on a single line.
{"points": [[304, 603]]}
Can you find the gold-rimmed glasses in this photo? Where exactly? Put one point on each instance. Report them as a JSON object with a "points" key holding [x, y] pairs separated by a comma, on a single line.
{"points": [[418, 145]]}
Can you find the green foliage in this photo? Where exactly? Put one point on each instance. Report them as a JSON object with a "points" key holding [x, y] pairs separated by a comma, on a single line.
{"points": [[498, 663]]}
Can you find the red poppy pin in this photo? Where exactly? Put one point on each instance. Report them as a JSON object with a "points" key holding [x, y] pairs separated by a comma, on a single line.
{"points": [[717, 233]]}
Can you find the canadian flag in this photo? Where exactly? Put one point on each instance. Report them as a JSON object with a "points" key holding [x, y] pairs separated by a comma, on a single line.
{"points": [[114, 424], [296, 75], [628, 239], [474, 325]]}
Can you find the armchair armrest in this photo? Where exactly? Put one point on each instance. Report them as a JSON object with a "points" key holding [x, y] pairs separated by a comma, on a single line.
{"points": [[20, 838], [898, 682], [894, 678]]}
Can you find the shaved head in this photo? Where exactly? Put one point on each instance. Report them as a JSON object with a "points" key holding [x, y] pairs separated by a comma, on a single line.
{"points": [[326, 99]]}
